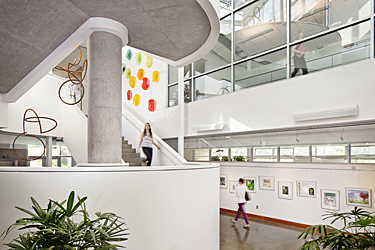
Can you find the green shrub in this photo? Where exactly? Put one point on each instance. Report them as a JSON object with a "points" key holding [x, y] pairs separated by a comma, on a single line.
{"points": [[238, 158], [357, 232], [54, 228], [215, 158], [224, 158]]}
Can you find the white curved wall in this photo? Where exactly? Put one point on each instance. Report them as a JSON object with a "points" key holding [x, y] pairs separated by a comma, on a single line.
{"points": [[165, 208]]}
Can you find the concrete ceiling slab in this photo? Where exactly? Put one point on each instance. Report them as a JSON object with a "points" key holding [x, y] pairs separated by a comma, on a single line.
{"points": [[17, 55], [32, 30], [43, 23]]}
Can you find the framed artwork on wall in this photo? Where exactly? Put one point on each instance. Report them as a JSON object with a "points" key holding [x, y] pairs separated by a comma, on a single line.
{"points": [[306, 188], [267, 182], [224, 181], [330, 199], [250, 183], [233, 186], [358, 197], [286, 190]]}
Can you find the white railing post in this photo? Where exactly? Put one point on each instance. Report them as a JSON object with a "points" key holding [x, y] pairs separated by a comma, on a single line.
{"points": [[181, 109]]}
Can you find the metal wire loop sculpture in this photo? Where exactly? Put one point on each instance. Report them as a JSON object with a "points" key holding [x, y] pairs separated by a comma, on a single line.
{"points": [[72, 75], [37, 119]]}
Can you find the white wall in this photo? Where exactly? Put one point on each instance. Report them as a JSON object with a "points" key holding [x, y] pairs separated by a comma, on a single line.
{"points": [[157, 91], [3, 114], [164, 208], [75, 133], [303, 210], [43, 98]]}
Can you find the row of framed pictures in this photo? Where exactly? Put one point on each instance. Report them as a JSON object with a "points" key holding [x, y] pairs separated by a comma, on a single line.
{"points": [[330, 199]]}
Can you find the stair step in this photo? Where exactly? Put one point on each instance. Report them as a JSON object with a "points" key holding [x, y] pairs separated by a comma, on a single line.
{"points": [[128, 150], [134, 161], [130, 155], [125, 142], [126, 146]]}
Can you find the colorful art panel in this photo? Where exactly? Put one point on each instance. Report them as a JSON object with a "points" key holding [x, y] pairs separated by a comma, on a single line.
{"points": [[286, 190], [251, 184], [358, 197]]}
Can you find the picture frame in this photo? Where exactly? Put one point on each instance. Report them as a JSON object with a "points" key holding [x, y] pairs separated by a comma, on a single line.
{"points": [[233, 186], [267, 183], [251, 184], [330, 199], [286, 190], [358, 197], [224, 181], [306, 189]]}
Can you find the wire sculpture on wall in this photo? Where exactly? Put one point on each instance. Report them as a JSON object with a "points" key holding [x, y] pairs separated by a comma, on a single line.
{"points": [[72, 75], [37, 119]]}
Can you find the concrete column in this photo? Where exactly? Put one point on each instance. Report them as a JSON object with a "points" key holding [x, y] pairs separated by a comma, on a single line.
{"points": [[105, 93]]}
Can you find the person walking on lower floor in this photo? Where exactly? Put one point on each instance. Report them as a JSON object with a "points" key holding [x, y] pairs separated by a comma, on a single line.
{"points": [[241, 190], [146, 142]]}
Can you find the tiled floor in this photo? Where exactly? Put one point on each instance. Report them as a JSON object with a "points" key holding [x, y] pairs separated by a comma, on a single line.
{"points": [[262, 235]]}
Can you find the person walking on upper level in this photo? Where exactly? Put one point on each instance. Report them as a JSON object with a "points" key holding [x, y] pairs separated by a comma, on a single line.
{"points": [[146, 142], [299, 51], [241, 190]]}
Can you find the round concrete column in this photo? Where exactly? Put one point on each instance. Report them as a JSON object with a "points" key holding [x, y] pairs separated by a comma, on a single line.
{"points": [[105, 90]]}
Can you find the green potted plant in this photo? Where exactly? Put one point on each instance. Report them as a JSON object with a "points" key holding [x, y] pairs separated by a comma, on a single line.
{"points": [[224, 158], [55, 228], [238, 158], [357, 232], [215, 158]]}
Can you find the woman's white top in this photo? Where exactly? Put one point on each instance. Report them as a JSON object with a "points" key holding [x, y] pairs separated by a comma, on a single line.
{"points": [[241, 190], [146, 141]]}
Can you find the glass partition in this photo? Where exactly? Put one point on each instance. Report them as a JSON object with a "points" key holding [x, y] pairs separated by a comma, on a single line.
{"points": [[264, 69], [225, 7], [219, 154], [314, 16], [213, 84], [240, 154], [220, 55], [294, 153], [362, 153], [202, 154], [330, 153], [264, 154], [259, 27], [173, 95], [345, 46], [333, 33], [173, 73]]}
